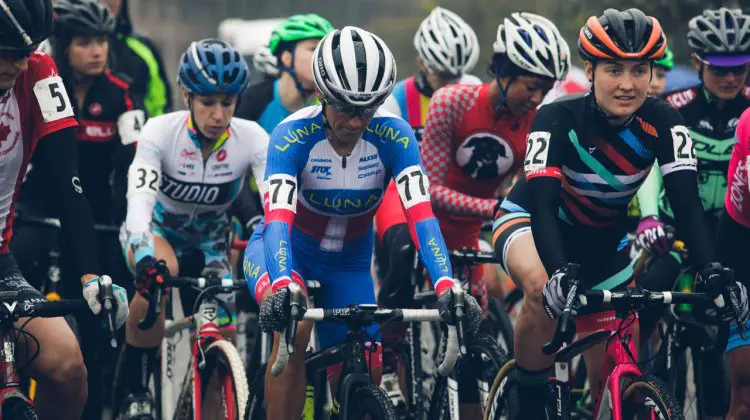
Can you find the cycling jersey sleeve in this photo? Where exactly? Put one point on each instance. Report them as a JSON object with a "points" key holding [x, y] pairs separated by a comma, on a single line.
{"points": [[678, 165], [446, 109], [543, 167], [144, 175], [280, 204], [414, 190], [737, 198], [57, 153], [648, 193]]}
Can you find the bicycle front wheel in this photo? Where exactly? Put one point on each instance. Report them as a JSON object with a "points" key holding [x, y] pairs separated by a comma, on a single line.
{"points": [[370, 402], [224, 372], [646, 398]]}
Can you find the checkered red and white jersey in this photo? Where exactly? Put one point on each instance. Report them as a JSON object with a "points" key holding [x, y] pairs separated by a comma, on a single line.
{"points": [[468, 150]]}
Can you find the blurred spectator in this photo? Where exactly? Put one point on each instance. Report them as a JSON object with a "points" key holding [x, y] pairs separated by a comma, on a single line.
{"points": [[137, 57]]}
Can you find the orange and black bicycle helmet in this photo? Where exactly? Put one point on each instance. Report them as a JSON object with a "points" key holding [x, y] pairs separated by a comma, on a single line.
{"points": [[628, 35]]}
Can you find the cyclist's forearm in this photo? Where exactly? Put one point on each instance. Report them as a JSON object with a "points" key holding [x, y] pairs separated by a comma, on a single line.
{"points": [[455, 202], [57, 153], [648, 194], [682, 191]]}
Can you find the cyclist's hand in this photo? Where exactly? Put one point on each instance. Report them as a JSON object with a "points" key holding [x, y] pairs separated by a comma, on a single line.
{"points": [[472, 311], [147, 271], [651, 236], [91, 292], [555, 293], [730, 295], [274, 311]]}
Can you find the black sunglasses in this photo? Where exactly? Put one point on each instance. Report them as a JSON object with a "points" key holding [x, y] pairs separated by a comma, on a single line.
{"points": [[723, 71], [353, 111], [17, 54]]}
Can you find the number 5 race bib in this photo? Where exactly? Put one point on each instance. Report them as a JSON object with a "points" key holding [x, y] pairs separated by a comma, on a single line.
{"points": [[53, 99]]}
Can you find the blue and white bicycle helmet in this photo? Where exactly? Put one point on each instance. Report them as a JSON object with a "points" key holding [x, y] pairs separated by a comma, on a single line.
{"points": [[211, 66]]}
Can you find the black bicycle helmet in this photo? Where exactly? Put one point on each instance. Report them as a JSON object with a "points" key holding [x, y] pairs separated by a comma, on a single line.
{"points": [[83, 17], [24, 23]]}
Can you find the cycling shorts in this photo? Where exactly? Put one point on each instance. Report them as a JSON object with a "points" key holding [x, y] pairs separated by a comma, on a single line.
{"points": [[341, 284], [603, 256], [735, 339]]}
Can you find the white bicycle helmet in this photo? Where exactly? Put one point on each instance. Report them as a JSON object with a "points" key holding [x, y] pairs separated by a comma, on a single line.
{"points": [[265, 62], [446, 43], [534, 44], [352, 66], [721, 37]]}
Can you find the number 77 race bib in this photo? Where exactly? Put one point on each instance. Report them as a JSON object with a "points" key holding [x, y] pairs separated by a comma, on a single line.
{"points": [[53, 99]]}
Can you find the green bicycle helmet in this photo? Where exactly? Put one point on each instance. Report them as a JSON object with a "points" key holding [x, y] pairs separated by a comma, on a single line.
{"points": [[667, 60], [298, 28]]}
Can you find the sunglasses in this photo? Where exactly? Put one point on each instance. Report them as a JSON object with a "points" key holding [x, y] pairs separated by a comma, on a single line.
{"points": [[723, 71], [354, 111], [14, 55]]}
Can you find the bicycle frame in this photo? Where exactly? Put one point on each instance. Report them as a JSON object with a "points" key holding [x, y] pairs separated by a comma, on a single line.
{"points": [[617, 365], [205, 323], [10, 378]]}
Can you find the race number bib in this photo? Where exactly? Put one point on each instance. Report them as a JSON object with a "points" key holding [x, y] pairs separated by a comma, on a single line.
{"points": [[282, 192], [537, 149], [684, 152], [129, 126], [143, 178], [413, 186], [53, 99]]}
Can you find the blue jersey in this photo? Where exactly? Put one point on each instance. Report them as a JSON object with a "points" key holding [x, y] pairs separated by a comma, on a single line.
{"points": [[321, 205]]}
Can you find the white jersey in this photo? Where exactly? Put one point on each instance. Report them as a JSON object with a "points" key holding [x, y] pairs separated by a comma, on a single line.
{"points": [[168, 170]]}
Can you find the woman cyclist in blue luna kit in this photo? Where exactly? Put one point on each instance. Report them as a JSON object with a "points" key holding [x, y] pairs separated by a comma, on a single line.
{"points": [[187, 172]]}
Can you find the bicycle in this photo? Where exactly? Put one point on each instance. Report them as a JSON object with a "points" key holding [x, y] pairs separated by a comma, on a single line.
{"points": [[626, 393], [48, 285], [211, 353], [484, 355], [357, 395], [13, 400], [686, 334]]}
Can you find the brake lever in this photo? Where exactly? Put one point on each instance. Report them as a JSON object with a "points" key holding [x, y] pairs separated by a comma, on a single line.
{"points": [[109, 305], [562, 331], [459, 302]]}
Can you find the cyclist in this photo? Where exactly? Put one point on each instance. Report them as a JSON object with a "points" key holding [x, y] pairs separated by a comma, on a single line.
{"points": [[474, 139], [269, 101], [188, 169], [734, 229], [137, 57], [101, 105], [447, 50], [323, 230], [662, 66], [265, 63], [36, 118], [711, 110], [586, 157]]}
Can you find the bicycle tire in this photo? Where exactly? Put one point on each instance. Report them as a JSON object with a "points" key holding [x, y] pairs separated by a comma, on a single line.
{"points": [[370, 400], [255, 406], [646, 398], [222, 356], [17, 408], [502, 327], [484, 356], [500, 398]]}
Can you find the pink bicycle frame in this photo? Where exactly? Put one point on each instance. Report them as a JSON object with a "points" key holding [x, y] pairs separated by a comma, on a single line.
{"points": [[617, 365]]}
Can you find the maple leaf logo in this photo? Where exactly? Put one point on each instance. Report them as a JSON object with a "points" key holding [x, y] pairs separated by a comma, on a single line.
{"points": [[4, 132]]}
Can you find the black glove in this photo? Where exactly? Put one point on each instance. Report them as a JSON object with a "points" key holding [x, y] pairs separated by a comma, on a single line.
{"points": [[147, 271], [472, 311], [274, 311], [729, 295]]}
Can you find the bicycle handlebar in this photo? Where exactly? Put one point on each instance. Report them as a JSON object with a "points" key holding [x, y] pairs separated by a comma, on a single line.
{"points": [[154, 303], [286, 344], [628, 299], [473, 257]]}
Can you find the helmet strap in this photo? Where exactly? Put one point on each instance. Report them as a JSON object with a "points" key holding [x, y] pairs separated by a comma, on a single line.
{"points": [[200, 136], [303, 92], [503, 93]]}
